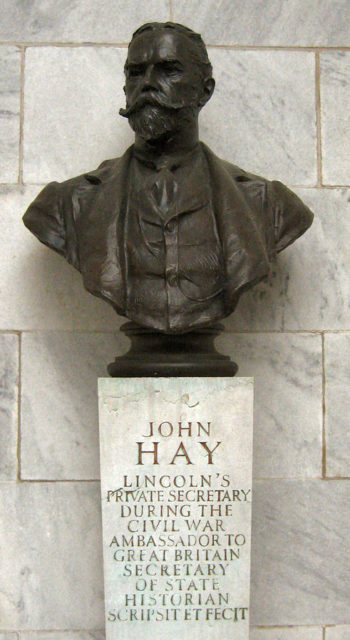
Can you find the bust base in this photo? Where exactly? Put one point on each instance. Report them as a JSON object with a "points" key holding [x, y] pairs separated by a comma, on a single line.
{"points": [[155, 354]]}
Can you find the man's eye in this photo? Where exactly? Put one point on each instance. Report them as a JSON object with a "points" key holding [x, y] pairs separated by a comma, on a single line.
{"points": [[134, 71], [170, 67]]}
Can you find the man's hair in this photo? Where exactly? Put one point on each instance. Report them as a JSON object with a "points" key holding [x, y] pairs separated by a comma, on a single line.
{"points": [[198, 49]]}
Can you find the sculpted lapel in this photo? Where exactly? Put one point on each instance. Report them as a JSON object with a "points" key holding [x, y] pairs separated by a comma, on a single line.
{"points": [[246, 256], [100, 233]]}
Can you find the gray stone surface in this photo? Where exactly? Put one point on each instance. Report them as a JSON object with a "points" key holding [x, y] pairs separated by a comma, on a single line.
{"points": [[59, 403], [262, 114], [287, 633], [335, 117], [311, 23], [310, 287], [300, 553], [79, 21], [65, 635], [72, 98], [10, 72], [341, 632], [337, 358], [52, 570], [38, 289], [287, 373], [8, 406]]}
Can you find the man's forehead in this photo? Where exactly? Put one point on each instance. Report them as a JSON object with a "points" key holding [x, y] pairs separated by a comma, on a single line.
{"points": [[162, 44]]}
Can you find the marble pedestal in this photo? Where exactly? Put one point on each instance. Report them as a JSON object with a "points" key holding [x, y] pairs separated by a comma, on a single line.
{"points": [[176, 467]]}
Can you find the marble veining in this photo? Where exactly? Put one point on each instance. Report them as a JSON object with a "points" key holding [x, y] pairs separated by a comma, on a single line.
{"points": [[52, 570], [78, 21], [60, 426], [10, 64], [335, 117], [287, 371], [276, 22], [8, 406], [337, 358], [300, 552], [72, 94], [262, 114]]}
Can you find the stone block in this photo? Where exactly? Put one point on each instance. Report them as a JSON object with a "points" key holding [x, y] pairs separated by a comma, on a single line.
{"points": [[276, 23], [337, 358], [287, 633], [300, 553], [287, 371], [79, 21], [335, 118], [71, 103], [179, 449], [8, 406], [10, 80], [52, 570], [59, 403], [262, 114], [341, 632]]}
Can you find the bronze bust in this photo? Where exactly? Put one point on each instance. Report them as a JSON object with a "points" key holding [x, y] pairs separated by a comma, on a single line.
{"points": [[169, 234]]}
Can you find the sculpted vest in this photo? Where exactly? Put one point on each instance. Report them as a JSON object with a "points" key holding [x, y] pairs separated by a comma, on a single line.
{"points": [[175, 270]]}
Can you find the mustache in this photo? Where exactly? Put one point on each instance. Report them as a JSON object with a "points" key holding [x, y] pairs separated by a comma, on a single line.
{"points": [[152, 99]]}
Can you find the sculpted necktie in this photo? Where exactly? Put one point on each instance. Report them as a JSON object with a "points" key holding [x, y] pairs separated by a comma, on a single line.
{"points": [[156, 207], [164, 189]]}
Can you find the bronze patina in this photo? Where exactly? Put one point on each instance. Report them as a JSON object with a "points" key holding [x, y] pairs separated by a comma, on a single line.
{"points": [[169, 234]]}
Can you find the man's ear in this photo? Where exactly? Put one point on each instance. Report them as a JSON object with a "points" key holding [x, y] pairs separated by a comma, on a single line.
{"points": [[207, 91]]}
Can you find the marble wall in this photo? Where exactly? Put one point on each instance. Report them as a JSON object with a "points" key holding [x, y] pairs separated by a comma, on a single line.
{"points": [[280, 109]]}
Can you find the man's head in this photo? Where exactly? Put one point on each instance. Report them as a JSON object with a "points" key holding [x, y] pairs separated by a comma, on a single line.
{"points": [[168, 79]]}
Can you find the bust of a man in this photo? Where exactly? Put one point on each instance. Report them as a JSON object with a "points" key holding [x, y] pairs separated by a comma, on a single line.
{"points": [[169, 234]]}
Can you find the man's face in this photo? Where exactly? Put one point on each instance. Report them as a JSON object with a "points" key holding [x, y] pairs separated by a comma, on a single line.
{"points": [[163, 87]]}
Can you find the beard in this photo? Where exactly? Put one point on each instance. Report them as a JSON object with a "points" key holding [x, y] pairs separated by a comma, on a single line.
{"points": [[152, 118], [153, 122]]}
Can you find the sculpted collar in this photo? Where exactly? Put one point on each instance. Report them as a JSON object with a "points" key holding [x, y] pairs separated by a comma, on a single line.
{"points": [[171, 161]]}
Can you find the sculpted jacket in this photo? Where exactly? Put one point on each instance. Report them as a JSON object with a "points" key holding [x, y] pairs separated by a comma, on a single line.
{"points": [[83, 219]]}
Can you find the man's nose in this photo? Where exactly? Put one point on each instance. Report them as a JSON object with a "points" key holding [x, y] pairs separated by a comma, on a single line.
{"points": [[149, 79]]}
